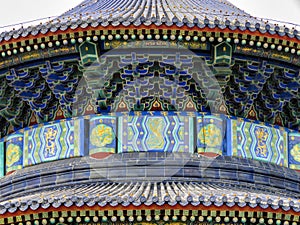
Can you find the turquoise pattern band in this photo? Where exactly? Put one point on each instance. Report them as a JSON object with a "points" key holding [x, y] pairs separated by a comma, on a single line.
{"points": [[189, 132]]}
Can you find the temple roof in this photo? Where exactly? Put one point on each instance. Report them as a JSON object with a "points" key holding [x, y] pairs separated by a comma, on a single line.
{"points": [[151, 179], [202, 13], [49, 78], [150, 193], [154, 11], [50, 72]]}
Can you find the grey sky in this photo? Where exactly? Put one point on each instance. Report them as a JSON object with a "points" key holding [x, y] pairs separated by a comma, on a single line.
{"points": [[17, 11], [283, 10]]}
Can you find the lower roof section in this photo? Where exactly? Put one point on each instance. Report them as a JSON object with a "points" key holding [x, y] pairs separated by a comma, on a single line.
{"points": [[142, 180], [145, 194]]}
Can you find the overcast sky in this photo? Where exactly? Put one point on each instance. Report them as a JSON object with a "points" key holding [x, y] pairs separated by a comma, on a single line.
{"points": [[17, 11], [283, 10]]}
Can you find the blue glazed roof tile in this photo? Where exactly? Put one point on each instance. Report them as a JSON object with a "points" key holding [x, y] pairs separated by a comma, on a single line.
{"points": [[139, 193], [201, 13], [61, 188]]}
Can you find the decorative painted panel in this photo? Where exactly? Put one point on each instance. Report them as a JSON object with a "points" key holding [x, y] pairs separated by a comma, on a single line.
{"points": [[210, 134], [102, 134], [150, 131], [259, 142], [14, 152], [294, 151], [156, 133], [53, 141], [2, 165]]}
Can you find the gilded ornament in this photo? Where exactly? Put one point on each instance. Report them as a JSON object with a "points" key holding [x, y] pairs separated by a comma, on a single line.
{"points": [[13, 153], [210, 135], [261, 147], [156, 128], [295, 152], [50, 136], [102, 135]]}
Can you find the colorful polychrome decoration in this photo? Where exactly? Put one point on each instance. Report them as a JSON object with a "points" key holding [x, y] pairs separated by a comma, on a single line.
{"points": [[258, 142], [155, 131], [53, 141], [143, 112], [149, 96], [14, 152], [146, 75], [102, 135], [210, 134], [294, 149], [147, 133]]}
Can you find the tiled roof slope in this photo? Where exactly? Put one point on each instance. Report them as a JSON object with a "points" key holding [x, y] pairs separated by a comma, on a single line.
{"points": [[193, 13], [151, 178], [157, 10]]}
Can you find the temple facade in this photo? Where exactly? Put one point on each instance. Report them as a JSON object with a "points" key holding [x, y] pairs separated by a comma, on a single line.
{"points": [[150, 112]]}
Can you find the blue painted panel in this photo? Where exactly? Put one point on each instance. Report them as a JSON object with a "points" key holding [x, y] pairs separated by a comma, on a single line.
{"points": [[53, 141], [156, 133], [259, 142]]}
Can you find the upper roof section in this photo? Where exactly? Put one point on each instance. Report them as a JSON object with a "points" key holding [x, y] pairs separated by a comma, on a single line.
{"points": [[151, 11], [42, 66], [192, 13]]}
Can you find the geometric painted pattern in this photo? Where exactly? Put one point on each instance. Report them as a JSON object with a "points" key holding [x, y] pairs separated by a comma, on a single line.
{"points": [[210, 134], [151, 131], [102, 138], [294, 151], [156, 133], [14, 152], [52, 142], [259, 142]]}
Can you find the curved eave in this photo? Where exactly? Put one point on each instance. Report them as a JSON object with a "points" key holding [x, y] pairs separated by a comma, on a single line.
{"points": [[181, 208], [238, 32], [170, 181], [111, 196]]}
